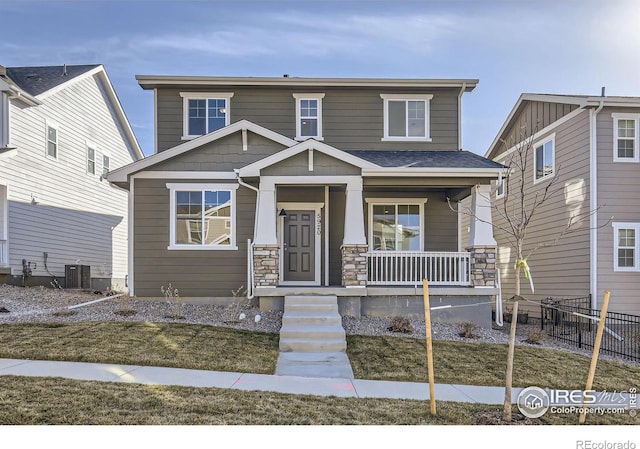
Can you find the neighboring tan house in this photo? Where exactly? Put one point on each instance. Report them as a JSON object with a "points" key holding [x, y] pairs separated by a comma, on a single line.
{"points": [[593, 145], [308, 185], [62, 129]]}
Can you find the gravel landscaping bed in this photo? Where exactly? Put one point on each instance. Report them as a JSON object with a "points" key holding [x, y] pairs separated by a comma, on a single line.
{"points": [[39, 304]]}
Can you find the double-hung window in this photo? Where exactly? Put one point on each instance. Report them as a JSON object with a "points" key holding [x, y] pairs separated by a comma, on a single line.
{"points": [[544, 159], [406, 117], [52, 140], [396, 225], [626, 244], [202, 216], [501, 185], [204, 112], [106, 163], [91, 160], [308, 116], [626, 137]]}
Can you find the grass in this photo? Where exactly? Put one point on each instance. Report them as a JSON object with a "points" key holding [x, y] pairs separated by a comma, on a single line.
{"points": [[404, 359], [194, 346], [34, 401], [38, 401], [175, 345]]}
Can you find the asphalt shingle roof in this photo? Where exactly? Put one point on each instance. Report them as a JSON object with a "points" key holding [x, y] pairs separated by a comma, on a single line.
{"points": [[36, 80], [425, 159]]}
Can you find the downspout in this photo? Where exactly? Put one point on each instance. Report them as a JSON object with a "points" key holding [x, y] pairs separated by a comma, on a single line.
{"points": [[593, 205], [250, 293], [464, 87]]}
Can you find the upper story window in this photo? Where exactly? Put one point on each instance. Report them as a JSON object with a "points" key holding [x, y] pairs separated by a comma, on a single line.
{"points": [[91, 160], [626, 137], [106, 164], [52, 140], [500, 186], [308, 116], [544, 159], [203, 216], [396, 224], [626, 246], [204, 112], [406, 117]]}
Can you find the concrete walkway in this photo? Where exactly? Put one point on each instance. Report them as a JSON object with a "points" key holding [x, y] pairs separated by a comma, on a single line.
{"points": [[354, 388]]}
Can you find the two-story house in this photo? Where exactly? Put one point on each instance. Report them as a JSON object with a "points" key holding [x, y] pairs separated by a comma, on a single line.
{"points": [[309, 185], [592, 145], [62, 129]]}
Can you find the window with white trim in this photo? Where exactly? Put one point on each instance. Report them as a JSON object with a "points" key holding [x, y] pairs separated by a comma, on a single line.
{"points": [[544, 159], [396, 226], [91, 160], [204, 112], [626, 246], [202, 216], [626, 137], [308, 116], [52, 140], [106, 164], [406, 117], [501, 185]]}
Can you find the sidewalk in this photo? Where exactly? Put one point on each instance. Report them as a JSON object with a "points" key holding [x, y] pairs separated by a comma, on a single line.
{"points": [[354, 388]]}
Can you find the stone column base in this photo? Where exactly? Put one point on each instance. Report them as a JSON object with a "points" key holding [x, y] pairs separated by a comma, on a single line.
{"points": [[266, 265], [483, 266], [354, 265]]}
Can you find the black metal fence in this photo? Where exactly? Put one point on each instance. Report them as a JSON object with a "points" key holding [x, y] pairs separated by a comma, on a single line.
{"points": [[572, 320]]}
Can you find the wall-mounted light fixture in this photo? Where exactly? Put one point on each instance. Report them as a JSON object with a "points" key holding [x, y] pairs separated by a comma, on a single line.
{"points": [[283, 213]]}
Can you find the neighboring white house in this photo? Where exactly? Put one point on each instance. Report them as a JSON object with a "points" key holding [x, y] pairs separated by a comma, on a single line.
{"points": [[62, 129]]}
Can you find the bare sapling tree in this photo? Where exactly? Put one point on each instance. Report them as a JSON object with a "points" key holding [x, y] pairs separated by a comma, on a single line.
{"points": [[514, 213]]}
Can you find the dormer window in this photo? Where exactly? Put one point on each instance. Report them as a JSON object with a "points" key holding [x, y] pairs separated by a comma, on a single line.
{"points": [[406, 117], [204, 112], [308, 116]]}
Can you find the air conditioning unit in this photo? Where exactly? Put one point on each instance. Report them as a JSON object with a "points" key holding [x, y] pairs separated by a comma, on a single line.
{"points": [[77, 276]]}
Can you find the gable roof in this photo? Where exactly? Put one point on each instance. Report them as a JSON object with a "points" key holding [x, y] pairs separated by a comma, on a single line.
{"points": [[34, 84], [582, 101], [309, 144], [121, 174], [37, 80]]}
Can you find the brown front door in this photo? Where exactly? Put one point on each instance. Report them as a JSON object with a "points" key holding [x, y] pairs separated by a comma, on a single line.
{"points": [[299, 246]]}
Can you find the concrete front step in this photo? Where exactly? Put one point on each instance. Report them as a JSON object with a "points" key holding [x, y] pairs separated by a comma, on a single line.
{"points": [[314, 364], [312, 345], [311, 318], [330, 332], [310, 307], [311, 299]]}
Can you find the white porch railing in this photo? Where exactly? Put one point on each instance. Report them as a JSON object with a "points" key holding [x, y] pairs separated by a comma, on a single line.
{"points": [[4, 259], [411, 267]]}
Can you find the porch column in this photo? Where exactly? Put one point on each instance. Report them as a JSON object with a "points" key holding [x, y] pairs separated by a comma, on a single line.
{"points": [[354, 245], [482, 245], [266, 253]]}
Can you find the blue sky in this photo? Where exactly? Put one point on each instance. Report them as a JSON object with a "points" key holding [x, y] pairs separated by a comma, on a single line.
{"points": [[543, 46]]}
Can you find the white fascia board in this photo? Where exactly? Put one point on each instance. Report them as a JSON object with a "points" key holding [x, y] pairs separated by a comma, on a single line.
{"points": [[214, 175], [151, 81], [542, 132], [121, 174], [309, 144], [580, 101], [433, 172]]}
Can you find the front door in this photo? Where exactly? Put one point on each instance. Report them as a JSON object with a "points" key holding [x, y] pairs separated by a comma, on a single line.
{"points": [[299, 246]]}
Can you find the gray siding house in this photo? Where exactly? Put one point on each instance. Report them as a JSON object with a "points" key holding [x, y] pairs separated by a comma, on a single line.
{"points": [[292, 186], [62, 129], [593, 145]]}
